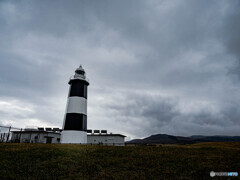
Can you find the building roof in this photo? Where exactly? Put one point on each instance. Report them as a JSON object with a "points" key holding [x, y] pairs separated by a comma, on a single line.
{"points": [[36, 131], [52, 132], [106, 135]]}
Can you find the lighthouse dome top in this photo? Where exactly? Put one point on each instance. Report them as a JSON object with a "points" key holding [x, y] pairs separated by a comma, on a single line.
{"points": [[80, 74], [80, 70]]}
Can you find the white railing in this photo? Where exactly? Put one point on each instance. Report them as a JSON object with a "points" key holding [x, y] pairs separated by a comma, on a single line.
{"points": [[78, 77]]}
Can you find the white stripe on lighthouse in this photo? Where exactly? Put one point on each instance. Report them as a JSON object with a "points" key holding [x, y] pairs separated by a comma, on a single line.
{"points": [[75, 137], [77, 105]]}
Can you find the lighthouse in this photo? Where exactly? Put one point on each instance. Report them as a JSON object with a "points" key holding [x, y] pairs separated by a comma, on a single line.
{"points": [[74, 128]]}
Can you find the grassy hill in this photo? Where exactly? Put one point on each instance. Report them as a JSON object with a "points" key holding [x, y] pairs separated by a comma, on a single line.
{"points": [[170, 139], [48, 161]]}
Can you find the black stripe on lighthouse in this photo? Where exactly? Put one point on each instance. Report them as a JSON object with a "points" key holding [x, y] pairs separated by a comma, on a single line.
{"points": [[75, 121], [78, 88]]}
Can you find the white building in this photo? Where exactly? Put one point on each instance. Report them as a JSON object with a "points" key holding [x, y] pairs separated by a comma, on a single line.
{"points": [[36, 136], [106, 139], [50, 136]]}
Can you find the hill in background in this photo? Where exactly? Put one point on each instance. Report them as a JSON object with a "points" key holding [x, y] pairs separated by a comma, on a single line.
{"points": [[169, 139]]}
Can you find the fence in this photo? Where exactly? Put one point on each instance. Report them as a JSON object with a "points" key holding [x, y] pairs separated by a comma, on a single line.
{"points": [[6, 134]]}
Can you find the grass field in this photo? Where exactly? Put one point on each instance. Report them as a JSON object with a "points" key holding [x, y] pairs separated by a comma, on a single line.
{"points": [[48, 161]]}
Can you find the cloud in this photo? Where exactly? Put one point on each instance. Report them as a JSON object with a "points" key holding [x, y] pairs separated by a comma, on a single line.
{"points": [[142, 114], [18, 114], [154, 66]]}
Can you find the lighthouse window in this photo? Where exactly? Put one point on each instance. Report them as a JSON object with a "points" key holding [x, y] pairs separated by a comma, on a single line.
{"points": [[80, 72]]}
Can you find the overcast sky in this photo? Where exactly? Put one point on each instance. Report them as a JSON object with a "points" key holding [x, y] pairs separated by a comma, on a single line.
{"points": [[155, 66]]}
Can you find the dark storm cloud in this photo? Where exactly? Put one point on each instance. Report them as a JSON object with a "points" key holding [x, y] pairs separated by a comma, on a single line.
{"points": [[143, 113], [154, 66], [231, 37], [147, 114]]}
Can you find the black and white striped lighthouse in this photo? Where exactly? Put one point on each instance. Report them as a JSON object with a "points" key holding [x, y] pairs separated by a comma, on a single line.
{"points": [[75, 119]]}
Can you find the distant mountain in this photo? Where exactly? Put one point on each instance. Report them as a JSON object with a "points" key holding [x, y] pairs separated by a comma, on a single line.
{"points": [[162, 139], [169, 139]]}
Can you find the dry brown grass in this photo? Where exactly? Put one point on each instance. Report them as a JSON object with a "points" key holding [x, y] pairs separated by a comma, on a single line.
{"points": [[44, 161]]}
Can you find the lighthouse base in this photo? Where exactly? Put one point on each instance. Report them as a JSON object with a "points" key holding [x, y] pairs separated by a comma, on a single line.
{"points": [[73, 137]]}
